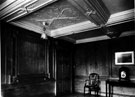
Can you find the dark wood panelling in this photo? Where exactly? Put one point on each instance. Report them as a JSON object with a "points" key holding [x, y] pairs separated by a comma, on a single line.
{"points": [[25, 54], [31, 55], [29, 61], [3, 79], [24, 64], [89, 58], [64, 67], [7, 53], [0, 47], [99, 57], [92, 57]]}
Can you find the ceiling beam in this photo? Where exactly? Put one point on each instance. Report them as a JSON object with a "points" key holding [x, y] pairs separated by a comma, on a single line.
{"points": [[103, 37], [80, 27], [114, 19]]}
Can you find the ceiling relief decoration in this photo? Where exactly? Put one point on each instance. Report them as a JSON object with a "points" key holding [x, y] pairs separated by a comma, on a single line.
{"points": [[94, 10], [58, 15], [65, 19]]}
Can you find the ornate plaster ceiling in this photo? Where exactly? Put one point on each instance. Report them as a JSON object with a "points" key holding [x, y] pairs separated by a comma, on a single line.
{"points": [[59, 14], [64, 20]]}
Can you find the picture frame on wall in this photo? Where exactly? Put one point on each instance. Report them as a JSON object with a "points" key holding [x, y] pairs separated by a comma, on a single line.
{"points": [[124, 58]]}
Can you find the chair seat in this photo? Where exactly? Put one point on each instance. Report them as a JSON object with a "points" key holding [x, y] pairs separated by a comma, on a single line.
{"points": [[93, 87]]}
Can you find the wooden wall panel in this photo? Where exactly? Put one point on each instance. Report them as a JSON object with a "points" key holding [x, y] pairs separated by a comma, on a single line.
{"points": [[31, 56], [3, 71], [0, 43], [64, 67], [92, 58], [7, 53]]}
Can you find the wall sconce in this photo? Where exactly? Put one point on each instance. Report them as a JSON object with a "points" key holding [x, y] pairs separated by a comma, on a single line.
{"points": [[43, 36]]}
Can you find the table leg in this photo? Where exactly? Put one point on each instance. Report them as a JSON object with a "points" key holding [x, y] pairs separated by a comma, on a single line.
{"points": [[112, 91], [106, 89], [109, 90]]}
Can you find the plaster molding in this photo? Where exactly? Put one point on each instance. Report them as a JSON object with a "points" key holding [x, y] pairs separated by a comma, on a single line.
{"points": [[87, 25], [28, 26], [6, 3], [104, 37], [72, 29], [80, 27], [120, 17], [12, 7], [29, 6]]}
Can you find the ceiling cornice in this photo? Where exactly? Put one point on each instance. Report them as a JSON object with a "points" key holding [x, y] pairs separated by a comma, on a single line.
{"points": [[120, 17], [10, 8], [6, 3], [72, 29], [14, 9], [28, 26]]}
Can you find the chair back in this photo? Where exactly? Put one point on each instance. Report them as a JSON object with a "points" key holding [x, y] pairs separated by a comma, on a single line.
{"points": [[94, 79]]}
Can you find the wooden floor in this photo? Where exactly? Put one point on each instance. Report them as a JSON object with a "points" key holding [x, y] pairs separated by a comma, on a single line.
{"points": [[71, 95], [79, 95], [45, 95]]}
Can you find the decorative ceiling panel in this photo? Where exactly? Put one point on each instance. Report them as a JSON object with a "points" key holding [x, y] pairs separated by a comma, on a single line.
{"points": [[59, 14], [63, 19]]}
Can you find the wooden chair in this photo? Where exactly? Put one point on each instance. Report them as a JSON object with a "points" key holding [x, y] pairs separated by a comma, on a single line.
{"points": [[93, 84]]}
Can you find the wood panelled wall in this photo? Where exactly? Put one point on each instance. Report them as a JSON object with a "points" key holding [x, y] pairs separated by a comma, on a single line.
{"points": [[64, 67], [24, 53], [99, 57], [25, 66], [33, 66], [92, 57], [31, 55]]}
